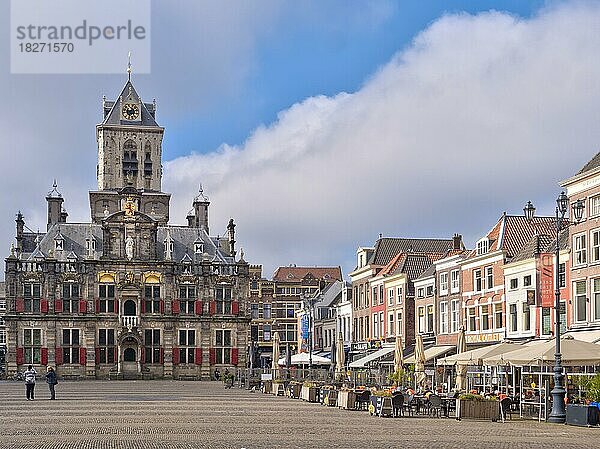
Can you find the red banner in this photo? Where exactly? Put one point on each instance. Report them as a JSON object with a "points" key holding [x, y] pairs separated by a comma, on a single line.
{"points": [[546, 270]]}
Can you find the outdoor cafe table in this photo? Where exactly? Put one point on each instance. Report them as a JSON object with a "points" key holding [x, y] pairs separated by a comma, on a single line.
{"points": [[347, 399]]}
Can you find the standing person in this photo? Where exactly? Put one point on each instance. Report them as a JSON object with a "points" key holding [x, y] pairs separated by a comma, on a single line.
{"points": [[51, 381], [30, 381]]}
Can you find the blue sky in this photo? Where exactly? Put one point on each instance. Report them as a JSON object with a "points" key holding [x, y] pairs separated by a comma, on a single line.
{"points": [[330, 53]]}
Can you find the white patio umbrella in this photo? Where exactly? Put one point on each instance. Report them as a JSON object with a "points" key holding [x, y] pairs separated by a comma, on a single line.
{"points": [[275, 361], [461, 368], [303, 358], [398, 355], [419, 362], [340, 356]]}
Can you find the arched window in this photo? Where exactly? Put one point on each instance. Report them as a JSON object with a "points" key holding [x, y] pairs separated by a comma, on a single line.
{"points": [[130, 161]]}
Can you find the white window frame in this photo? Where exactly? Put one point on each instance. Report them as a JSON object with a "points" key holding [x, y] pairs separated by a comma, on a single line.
{"points": [[489, 277], [399, 295], [483, 246], [579, 249], [443, 283], [594, 206], [475, 278], [421, 319], [577, 297], [594, 245], [390, 296], [454, 315], [454, 281], [444, 317]]}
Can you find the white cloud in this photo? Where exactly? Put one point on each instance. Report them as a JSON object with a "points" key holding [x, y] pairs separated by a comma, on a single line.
{"points": [[480, 114]]}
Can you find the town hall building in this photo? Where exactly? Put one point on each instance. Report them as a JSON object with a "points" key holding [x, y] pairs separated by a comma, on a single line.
{"points": [[127, 295]]}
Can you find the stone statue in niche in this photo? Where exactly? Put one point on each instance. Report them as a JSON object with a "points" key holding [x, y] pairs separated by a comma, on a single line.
{"points": [[129, 244]]}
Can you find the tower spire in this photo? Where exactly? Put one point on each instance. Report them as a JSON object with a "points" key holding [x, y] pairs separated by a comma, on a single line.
{"points": [[129, 66]]}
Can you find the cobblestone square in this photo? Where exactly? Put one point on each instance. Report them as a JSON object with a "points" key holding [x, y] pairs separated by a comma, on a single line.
{"points": [[170, 414]]}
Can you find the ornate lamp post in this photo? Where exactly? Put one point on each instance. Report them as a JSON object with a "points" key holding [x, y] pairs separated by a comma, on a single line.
{"points": [[558, 414], [309, 305]]}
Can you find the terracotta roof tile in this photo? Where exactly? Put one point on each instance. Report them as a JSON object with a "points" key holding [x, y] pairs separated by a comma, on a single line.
{"points": [[296, 274]]}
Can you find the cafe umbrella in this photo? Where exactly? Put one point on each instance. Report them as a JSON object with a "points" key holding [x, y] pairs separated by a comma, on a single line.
{"points": [[274, 363], [461, 368], [340, 356], [419, 362]]}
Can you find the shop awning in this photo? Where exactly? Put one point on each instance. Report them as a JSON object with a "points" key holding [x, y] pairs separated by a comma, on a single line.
{"points": [[476, 356], [431, 353], [574, 353], [592, 336], [365, 361]]}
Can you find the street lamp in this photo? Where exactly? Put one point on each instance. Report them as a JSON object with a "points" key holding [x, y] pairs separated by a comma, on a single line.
{"points": [[558, 414]]}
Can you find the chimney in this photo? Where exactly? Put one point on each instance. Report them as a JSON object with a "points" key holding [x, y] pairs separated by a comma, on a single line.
{"points": [[231, 235], [55, 206], [457, 243], [191, 218], [201, 204], [20, 227]]}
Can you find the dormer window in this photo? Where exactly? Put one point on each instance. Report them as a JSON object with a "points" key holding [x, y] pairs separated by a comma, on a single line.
{"points": [[483, 246], [198, 247], [59, 244]]}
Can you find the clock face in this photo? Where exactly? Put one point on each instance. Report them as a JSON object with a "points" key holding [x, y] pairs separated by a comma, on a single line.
{"points": [[130, 111]]}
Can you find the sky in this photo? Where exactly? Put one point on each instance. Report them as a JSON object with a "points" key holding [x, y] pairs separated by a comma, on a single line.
{"points": [[318, 126]]}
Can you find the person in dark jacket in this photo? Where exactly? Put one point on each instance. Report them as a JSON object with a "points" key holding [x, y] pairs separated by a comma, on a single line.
{"points": [[30, 381], [51, 381]]}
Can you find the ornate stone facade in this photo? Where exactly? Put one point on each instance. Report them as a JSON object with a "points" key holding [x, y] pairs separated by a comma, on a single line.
{"points": [[127, 295]]}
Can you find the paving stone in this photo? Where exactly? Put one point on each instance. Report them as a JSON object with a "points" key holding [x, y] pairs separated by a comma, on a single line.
{"points": [[163, 414]]}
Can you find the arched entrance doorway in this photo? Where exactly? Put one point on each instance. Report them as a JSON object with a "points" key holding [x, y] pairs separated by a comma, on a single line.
{"points": [[130, 366], [129, 355]]}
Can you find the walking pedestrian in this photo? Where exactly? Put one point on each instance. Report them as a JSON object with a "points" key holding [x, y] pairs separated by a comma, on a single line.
{"points": [[30, 381], [51, 381]]}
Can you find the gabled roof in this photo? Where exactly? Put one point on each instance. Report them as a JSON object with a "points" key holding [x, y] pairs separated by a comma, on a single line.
{"points": [[536, 245], [112, 113], [591, 165], [513, 232], [386, 248], [296, 274]]}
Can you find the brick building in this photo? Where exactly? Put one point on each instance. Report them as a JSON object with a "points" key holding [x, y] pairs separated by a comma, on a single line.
{"points": [[126, 295]]}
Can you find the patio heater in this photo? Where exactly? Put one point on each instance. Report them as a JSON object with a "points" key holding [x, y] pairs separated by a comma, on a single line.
{"points": [[558, 413]]}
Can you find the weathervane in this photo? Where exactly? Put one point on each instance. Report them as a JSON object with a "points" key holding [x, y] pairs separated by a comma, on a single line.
{"points": [[129, 66]]}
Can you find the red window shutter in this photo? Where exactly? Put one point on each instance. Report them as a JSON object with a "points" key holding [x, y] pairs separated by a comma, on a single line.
{"points": [[82, 306], [198, 356], [97, 301], [97, 356], [58, 306], [162, 355], [44, 306], [58, 355], [198, 307], [175, 355], [20, 356], [162, 306], [143, 355], [212, 356], [19, 305], [44, 355], [175, 307], [143, 306], [82, 356], [234, 356], [115, 356], [235, 307], [213, 307]]}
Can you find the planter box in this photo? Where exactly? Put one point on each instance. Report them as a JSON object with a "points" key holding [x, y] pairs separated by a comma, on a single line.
{"points": [[267, 386], [278, 389], [582, 415], [310, 394], [330, 398], [477, 410], [346, 400], [293, 391]]}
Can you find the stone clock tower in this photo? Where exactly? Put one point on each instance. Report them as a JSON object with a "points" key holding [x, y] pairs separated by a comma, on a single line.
{"points": [[129, 156]]}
